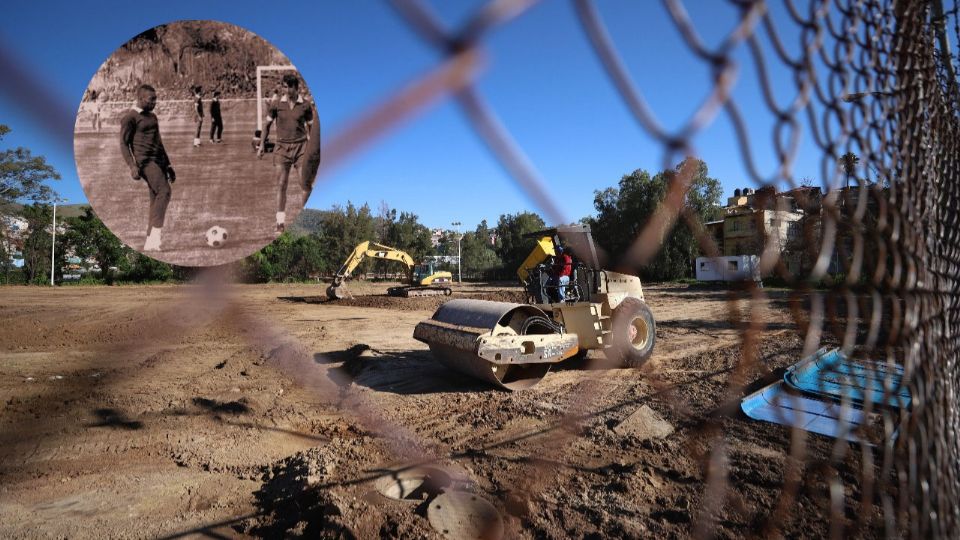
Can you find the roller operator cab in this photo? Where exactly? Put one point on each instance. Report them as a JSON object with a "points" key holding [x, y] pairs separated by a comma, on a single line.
{"points": [[605, 309]]}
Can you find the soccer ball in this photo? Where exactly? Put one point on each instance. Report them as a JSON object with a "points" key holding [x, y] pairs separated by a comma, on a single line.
{"points": [[216, 236]]}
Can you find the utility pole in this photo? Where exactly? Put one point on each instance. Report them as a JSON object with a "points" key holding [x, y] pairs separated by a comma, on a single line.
{"points": [[459, 237], [53, 243]]}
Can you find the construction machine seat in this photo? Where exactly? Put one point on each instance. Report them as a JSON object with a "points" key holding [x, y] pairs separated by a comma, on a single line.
{"points": [[541, 289], [536, 284]]}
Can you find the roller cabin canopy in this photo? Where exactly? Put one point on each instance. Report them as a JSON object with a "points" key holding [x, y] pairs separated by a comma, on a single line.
{"points": [[575, 239]]}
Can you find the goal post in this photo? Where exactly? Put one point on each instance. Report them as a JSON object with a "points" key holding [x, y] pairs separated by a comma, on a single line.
{"points": [[262, 71]]}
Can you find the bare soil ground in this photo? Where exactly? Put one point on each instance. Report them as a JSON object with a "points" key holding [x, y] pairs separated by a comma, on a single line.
{"points": [[268, 411]]}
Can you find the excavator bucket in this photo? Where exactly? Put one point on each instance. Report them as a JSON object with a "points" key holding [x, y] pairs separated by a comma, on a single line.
{"points": [[511, 346], [338, 292]]}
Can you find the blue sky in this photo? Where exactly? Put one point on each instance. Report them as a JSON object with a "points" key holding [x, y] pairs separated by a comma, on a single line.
{"points": [[542, 78]]}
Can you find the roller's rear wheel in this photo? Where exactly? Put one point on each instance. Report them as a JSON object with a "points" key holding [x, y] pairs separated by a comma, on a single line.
{"points": [[634, 334]]}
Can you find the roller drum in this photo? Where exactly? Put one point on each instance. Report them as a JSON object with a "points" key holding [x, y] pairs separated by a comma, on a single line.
{"points": [[509, 345]]}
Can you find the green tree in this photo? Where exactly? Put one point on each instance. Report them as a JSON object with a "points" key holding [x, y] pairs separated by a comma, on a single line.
{"points": [[143, 268], [90, 238], [7, 250], [447, 244], [623, 212], [36, 245], [408, 234], [22, 178], [344, 228], [308, 221], [512, 248], [483, 232], [477, 253], [307, 260], [270, 263], [22, 175], [286, 258]]}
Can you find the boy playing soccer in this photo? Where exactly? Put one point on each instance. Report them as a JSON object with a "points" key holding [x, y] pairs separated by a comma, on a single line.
{"points": [[197, 113], [216, 121], [143, 151], [293, 116]]}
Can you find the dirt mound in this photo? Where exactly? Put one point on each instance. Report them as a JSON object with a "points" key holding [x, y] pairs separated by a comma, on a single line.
{"points": [[298, 498], [515, 296], [425, 303]]}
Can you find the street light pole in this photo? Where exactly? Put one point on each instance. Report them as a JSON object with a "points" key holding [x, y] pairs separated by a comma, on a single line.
{"points": [[459, 237], [53, 243]]}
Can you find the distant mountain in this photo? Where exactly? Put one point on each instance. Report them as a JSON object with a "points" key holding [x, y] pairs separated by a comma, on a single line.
{"points": [[8, 208], [64, 211], [176, 56], [71, 210], [309, 220]]}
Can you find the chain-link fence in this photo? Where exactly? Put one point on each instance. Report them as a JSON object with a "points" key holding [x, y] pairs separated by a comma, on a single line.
{"points": [[874, 85]]}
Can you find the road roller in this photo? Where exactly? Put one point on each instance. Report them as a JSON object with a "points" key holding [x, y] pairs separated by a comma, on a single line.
{"points": [[514, 345]]}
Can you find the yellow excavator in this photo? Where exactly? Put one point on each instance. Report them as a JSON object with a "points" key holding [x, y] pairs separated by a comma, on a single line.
{"points": [[423, 279]]}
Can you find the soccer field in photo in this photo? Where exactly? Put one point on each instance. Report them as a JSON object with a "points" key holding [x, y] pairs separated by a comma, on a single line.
{"points": [[217, 184]]}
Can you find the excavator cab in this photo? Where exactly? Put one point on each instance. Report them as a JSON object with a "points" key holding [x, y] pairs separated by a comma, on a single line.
{"points": [[425, 274]]}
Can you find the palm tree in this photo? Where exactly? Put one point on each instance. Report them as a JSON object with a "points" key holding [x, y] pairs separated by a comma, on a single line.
{"points": [[849, 163]]}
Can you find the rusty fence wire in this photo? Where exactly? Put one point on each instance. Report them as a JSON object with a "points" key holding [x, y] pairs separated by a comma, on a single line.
{"points": [[874, 79], [875, 86]]}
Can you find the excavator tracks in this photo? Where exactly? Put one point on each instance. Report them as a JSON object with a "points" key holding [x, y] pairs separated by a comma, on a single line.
{"points": [[416, 291]]}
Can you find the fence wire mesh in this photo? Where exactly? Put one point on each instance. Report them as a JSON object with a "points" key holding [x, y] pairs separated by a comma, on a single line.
{"points": [[875, 79], [875, 86]]}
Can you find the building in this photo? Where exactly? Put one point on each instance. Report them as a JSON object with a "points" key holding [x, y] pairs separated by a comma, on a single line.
{"points": [[755, 219], [436, 236], [13, 233], [16, 226], [715, 230]]}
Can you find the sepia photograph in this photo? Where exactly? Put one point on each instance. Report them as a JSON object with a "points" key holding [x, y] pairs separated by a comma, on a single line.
{"points": [[193, 143]]}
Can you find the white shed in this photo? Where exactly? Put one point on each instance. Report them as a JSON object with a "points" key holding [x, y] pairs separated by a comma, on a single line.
{"points": [[730, 268]]}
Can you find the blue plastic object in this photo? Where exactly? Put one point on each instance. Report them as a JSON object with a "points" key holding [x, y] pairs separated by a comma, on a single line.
{"points": [[831, 375], [777, 404]]}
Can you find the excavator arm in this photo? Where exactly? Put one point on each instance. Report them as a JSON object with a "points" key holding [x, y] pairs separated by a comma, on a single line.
{"points": [[371, 249], [359, 253]]}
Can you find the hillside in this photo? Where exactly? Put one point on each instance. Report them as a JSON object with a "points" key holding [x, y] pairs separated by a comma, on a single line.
{"points": [[65, 211], [174, 57]]}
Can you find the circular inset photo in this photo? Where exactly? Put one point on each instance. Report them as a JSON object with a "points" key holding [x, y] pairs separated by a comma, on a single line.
{"points": [[197, 143]]}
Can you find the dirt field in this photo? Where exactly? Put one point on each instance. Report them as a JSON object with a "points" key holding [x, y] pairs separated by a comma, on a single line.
{"points": [[249, 411]]}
